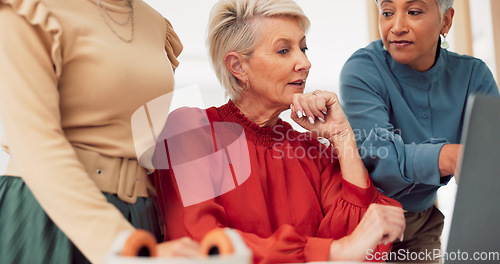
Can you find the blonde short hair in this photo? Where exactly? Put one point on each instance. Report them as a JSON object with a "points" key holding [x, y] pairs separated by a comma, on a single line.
{"points": [[232, 27]]}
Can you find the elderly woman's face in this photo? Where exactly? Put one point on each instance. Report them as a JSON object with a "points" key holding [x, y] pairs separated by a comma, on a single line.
{"points": [[278, 66], [410, 31]]}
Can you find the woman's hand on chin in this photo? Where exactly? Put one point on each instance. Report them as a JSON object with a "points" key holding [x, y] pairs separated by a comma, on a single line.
{"points": [[320, 112]]}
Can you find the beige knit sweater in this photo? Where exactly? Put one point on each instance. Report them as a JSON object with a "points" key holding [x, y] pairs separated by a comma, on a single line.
{"points": [[66, 82]]}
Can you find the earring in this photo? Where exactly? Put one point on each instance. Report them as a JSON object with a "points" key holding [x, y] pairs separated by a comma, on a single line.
{"points": [[444, 43], [247, 87]]}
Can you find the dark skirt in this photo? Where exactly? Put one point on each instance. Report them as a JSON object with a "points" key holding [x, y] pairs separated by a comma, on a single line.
{"points": [[28, 235]]}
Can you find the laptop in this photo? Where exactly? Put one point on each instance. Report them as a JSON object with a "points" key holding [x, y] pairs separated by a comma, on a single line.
{"points": [[475, 226]]}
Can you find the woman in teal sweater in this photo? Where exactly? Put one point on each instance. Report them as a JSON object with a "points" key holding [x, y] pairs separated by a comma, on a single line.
{"points": [[405, 97]]}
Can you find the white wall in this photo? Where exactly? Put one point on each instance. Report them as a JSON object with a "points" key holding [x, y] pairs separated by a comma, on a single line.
{"points": [[330, 41]]}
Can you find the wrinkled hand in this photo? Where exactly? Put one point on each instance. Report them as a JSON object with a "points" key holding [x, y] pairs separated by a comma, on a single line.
{"points": [[320, 112], [380, 224], [182, 247]]}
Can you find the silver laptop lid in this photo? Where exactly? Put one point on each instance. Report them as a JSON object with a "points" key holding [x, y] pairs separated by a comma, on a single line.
{"points": [[475, 227]]}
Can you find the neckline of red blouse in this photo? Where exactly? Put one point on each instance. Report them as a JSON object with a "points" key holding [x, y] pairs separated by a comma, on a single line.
{"points": [[265, 136]]}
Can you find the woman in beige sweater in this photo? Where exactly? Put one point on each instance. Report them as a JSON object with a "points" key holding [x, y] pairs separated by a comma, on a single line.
{"points": [[72, 73]]}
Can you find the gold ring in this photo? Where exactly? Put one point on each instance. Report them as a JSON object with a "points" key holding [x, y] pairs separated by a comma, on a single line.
{"points": [[315, 93]]}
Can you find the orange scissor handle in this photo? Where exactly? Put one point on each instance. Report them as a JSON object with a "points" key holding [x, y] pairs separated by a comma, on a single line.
{"points": [[216, 242], [140, 243]]}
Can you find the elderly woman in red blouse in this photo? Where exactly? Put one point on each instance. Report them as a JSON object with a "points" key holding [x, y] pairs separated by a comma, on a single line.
{"points": [[290, 197]]}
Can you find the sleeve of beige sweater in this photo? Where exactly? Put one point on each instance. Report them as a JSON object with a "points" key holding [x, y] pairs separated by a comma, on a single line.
{"points": [[29, 110]]}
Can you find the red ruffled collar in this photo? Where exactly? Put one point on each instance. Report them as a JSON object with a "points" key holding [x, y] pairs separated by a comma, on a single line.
{"points": [[264, 136]]}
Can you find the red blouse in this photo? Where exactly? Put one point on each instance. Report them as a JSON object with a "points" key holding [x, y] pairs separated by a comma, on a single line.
{"points": [[285, 195]]}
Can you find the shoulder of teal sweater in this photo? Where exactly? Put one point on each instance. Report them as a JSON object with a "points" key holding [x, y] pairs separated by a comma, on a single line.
{"points": [[376, 48], [453, 57], [372, 52], [465, 63], [370, 59]]}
